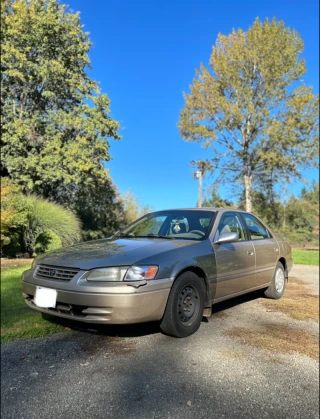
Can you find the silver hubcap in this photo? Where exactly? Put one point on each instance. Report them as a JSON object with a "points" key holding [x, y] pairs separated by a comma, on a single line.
{"points": [[279, 280]]}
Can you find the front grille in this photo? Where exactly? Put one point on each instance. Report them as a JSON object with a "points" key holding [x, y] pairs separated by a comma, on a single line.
{"points": [[56, 273]]}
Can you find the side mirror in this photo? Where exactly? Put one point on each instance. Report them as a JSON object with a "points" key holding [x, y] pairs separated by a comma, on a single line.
{"points": [[227, 238]]}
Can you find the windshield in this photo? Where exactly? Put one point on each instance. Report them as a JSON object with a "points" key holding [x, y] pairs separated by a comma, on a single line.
{"points": [[189, 225]]}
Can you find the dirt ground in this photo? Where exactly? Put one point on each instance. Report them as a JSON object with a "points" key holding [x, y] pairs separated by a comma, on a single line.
{"points": [[15, 263], [254, 358]]}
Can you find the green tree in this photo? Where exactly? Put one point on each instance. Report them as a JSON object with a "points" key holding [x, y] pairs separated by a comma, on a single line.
{"points": [[133, 208], [100, 209], [302, 216], [47, 241], [12, 210], [297, 219], [311, 195], [55, 121], [267, 207], [216, 201], [252, 109]]}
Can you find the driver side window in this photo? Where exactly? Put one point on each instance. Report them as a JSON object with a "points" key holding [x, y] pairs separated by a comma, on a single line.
{"points": [[231, 223]]}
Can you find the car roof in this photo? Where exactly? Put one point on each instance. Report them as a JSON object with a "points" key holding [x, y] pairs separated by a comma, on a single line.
{"points": [[213, 209]]}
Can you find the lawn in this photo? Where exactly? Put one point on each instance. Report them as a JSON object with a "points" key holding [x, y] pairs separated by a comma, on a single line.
{"points": [[305, 257], [17, 320]]}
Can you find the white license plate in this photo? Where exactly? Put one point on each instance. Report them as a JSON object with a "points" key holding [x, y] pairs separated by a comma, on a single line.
{"points": [[45, 297]]}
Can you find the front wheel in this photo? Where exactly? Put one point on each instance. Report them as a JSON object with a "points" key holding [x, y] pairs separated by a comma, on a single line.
{"points": [[185, 306], [278, 283]]}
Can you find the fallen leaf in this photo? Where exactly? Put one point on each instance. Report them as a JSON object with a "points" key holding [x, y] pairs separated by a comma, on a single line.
{"points": [[189, 403]]}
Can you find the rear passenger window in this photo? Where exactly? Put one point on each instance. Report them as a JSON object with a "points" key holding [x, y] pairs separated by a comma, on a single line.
{"points": [[256, 229]]}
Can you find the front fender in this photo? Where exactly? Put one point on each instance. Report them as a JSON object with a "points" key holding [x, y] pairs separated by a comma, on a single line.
{"points": [[193, 265], [183, 265]]}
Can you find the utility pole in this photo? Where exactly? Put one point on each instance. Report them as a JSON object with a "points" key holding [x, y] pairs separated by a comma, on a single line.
{"points": [[285, 190], [199, 177]]}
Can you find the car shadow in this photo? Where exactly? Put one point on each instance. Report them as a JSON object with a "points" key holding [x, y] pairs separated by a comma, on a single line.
{"points": [[228, 304], [144, 329], [112, 330]]}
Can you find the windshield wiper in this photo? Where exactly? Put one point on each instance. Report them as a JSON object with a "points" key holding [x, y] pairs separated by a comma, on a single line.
{"points": [[158, 236], [150, 235], [125, 235]]}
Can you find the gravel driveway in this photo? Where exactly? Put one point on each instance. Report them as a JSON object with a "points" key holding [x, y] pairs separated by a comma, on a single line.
{"points": [[136, 372]]}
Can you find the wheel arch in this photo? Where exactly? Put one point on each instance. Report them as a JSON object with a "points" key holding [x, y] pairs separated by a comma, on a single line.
{"points": [[202, 275], [284, 263]]}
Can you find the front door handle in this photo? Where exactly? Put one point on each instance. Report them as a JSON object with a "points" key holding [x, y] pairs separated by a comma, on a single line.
{"points": [[250, 253], [275, 249]]}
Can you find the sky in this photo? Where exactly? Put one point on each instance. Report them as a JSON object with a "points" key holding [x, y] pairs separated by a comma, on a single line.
{"points": [[145, 54]]}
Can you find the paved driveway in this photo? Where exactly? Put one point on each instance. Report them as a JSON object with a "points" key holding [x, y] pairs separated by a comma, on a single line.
{"points": [[136, 372]]}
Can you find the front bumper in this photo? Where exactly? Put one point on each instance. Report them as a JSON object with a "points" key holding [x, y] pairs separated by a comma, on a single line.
{"points": [[120, 303]]}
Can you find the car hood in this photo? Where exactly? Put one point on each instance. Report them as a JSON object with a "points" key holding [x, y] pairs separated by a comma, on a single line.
{"points": [[110, 252]]}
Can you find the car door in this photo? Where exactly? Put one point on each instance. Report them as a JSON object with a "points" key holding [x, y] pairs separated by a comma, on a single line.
{"points": [[235, 262], [266, 249]]}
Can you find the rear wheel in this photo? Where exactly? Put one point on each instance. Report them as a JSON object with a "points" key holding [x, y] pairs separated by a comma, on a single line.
{"points": [[185, 306], [278, 283]]}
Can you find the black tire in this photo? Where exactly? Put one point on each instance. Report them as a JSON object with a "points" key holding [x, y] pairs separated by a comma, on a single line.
{"points": [[277, 287], [185, 306]]}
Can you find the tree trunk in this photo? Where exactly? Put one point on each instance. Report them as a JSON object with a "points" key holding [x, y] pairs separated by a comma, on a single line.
{"points": [[248, 187]]}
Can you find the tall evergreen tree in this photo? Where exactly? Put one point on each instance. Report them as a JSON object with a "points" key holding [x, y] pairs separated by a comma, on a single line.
{"points": [[55, 122]]}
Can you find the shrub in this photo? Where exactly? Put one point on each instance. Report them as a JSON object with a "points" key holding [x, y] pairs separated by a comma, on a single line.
{"points": [[43, 215], [47, 241], [299, 237], [26, 218], [13, 247]]}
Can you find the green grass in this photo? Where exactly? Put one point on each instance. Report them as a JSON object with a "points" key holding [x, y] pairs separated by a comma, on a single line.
{"points": [[305, 257], [18, 320]]}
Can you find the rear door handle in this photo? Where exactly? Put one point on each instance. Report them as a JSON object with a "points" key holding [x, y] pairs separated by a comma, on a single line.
{"points": [[275, 249], [250, 253]]}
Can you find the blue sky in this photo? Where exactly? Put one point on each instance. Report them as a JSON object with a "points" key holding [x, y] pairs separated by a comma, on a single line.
{"points": [[145, 54]]}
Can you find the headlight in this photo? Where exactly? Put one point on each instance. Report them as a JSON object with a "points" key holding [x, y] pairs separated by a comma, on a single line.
{"points": [[34, 263], [107, 274], [140, 273]]}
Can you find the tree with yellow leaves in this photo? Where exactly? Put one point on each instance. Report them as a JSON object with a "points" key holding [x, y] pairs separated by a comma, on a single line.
{"points": [[9, 212], [252, 107]]}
